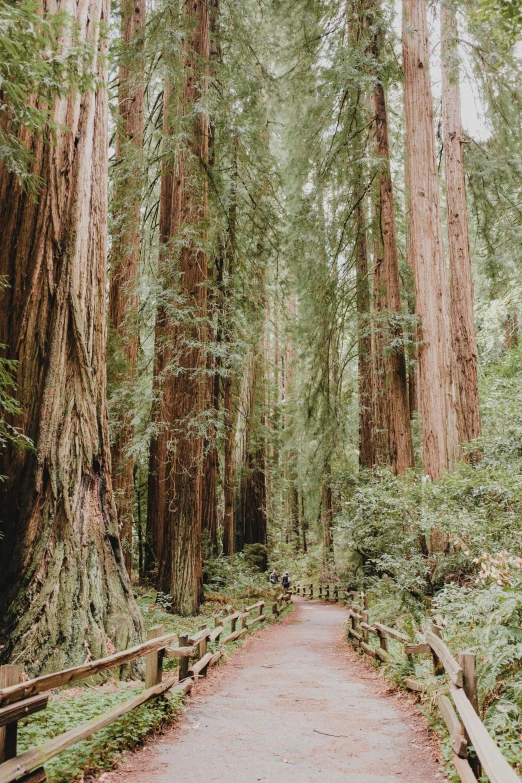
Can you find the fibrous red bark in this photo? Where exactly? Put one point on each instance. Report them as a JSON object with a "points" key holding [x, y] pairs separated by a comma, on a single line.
{"points": [[393, 438], [176, 459], [64, 591], [439, 420], [461, 283], [125, 256]]}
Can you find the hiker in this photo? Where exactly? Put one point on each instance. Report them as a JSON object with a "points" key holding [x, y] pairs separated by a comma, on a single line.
{"points": [[274, 578], [285, 581]]}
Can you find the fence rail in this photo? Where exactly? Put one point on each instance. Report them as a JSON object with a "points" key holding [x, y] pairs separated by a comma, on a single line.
{"points": [[20, 699], [464, 731]]}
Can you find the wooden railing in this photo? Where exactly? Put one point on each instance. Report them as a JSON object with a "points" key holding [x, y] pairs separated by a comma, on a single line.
{"points": [[20, 699], [464, 731]]}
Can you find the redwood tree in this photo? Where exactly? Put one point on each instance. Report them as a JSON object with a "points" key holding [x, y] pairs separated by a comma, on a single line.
{"points": [[125, 255], [64, 591], [461, 283], [181, 387], [365, 375], [440, 436], [394, 445]]}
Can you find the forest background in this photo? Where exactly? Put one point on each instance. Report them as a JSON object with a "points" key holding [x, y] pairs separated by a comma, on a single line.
{"points": [[222, 349]]}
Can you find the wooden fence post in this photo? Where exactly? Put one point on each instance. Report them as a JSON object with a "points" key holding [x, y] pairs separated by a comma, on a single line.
{"points": [[366, 634], [154, 660], [383, 639], [328, 592], [244, 619], [438, 667], [183, 662], [311, 591], [9, 675], [468, 664], [336, 594], [202, 646]]}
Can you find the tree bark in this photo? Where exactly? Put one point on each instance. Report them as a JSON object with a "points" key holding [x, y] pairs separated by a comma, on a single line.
{"points": [[327, 518], [228, 292], [64, 591], [175, 488], [366, 441], [209, 508], [440, 436], [461, 283], [125, 257], [394, 445], [250, 507], [228, 518]]}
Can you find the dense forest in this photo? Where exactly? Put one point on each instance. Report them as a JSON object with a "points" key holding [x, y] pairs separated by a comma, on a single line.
{"points": [[260, 307]]}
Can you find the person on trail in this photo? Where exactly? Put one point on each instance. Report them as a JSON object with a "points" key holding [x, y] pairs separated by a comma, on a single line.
{"points": [[274, 578], [285, 581]]}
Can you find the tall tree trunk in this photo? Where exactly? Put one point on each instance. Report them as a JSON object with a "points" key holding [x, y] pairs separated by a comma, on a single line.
{"points": [[211, 468], [209, 504], [228, 518], [392, 414], [125, 256], [327, 518], [366, 441], [357, 22], [440, 436], [303, 523], [250, 508], [64, 591], [294, 506], [175, 488], [461, 283], [228, 291]]}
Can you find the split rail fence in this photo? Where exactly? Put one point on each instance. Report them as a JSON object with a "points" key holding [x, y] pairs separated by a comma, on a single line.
{"points": [[20, 699], [465, 731]]}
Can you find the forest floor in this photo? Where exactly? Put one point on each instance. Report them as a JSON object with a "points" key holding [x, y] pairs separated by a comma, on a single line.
{"points": [[295, 704]]}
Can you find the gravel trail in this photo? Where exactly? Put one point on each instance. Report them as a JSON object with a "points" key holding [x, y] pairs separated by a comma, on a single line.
{"points": [[295, 705]]}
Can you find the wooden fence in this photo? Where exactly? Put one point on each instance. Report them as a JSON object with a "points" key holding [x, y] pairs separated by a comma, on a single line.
{"points": [[466, 730], [20, 699]]}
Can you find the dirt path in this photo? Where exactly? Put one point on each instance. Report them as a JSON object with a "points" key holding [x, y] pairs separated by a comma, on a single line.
{"points": [[294, 705]]}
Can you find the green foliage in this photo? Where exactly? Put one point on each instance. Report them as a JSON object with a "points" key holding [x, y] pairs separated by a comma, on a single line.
{"points": [[507, 12], [239, 576], [256, 557], [40, 54], [101, 751]]}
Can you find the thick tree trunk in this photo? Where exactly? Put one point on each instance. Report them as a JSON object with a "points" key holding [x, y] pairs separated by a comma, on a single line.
{"points": [[366, 442], [250, 508], [228, 291], [393, 439], [327, 518], [440, 436], [64, 591], [175, 488], [461, 283], [125, 257], [294, 506], [209, 507], [228, 518]]}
